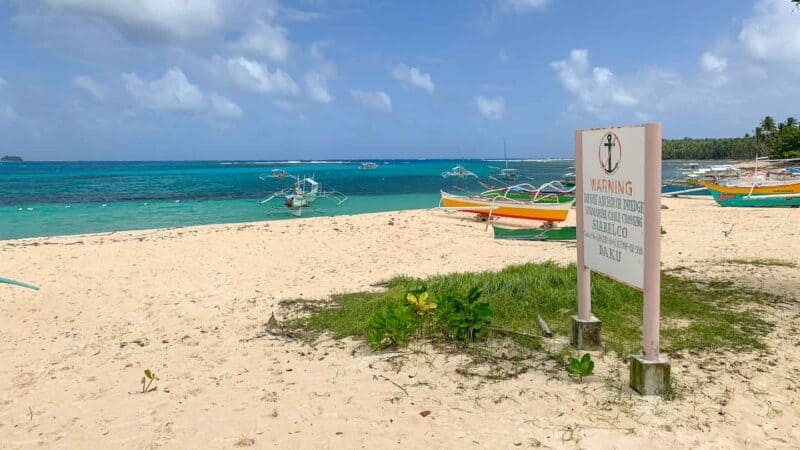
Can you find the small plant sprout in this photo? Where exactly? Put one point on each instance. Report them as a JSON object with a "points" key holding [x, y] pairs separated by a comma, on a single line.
{"points": [[422, 303], [581, 367], [147, 380]]}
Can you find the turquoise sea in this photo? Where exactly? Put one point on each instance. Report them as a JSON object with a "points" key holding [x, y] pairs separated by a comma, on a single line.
{"points": [[60, 198]]}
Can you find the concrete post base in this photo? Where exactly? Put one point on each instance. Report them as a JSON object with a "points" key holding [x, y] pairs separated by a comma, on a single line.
{"points": [[586, 333], [649, 377]]}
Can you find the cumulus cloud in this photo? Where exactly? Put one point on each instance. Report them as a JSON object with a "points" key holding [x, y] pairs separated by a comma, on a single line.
{"points": [[266, 40], [255, 76], [712, 63], [317, 87], [3, 83], [492, 108], [413, 77], [521, 6], [378, 100], [772, 33], [91, 87], [174, 93], [596, 88], [224, 107], [151, 18], [317, 79], [714, 66]]}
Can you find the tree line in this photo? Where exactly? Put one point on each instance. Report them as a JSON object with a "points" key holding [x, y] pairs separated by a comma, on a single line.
{"points": [[777, 140]]}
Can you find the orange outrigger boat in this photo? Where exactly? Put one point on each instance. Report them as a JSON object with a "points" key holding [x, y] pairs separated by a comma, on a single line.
{"points": [[506, 207]]}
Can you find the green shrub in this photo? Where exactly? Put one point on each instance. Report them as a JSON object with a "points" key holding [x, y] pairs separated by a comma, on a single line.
{"points": [[465, 315], [390, 327]]}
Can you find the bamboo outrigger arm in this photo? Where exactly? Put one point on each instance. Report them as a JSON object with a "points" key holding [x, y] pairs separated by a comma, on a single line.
{"points": [[18, 283]]}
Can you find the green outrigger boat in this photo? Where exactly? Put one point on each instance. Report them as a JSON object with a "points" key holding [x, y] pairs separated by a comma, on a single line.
{"points": [[536, 234]]}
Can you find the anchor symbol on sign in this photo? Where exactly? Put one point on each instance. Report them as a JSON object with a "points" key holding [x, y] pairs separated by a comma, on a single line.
{"points": [[609, 166]]}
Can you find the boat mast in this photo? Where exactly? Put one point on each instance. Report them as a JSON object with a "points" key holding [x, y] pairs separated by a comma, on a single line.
{"points": [[505, 155]]}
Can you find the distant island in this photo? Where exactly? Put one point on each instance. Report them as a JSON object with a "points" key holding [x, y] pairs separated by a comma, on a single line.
{"points": [[775, 140], [9, 158]]}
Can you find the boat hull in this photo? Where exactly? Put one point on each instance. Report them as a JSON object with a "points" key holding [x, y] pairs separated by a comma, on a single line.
{"points": [[536, 234], [760, 197], [548, 212]]}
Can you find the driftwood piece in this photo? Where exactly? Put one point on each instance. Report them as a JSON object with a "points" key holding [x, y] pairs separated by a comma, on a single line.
{"points": [[544, 327]]}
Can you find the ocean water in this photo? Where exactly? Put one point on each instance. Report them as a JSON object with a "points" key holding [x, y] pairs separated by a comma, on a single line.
{"points": [[61, 198]]}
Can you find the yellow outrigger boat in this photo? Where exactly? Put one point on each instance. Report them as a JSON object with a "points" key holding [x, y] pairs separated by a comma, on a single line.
{"points": [[786, 195], [506, 207]]}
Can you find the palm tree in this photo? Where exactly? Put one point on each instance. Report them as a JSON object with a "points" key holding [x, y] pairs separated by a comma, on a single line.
{"points": [[791, 122], [768, 125]]}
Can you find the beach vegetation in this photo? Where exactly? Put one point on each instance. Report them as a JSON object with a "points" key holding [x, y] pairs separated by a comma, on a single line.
{"points": [[147, 380], [418, 297], [581, 367], [696, 315], [390, 326], [762, 262], [465, 315]]}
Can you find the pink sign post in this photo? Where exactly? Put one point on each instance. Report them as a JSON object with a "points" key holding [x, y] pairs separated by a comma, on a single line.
{"points": [[618, 191]]}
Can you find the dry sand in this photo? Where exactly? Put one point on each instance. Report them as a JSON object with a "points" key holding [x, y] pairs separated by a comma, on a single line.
{"points": [[182, 302]]}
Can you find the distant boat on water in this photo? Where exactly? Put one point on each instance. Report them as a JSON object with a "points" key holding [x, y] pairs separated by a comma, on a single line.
{"points": [[458, 172], [507, 173], [10, 158], [368, 166]]}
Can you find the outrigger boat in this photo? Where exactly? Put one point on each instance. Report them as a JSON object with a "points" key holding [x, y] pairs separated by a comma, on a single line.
{"points": [[506, 173], [552, 192], [536, 234], [303, 194], [368, 166], [765, 194], [568, 179], [503, 206], [459, 172]]}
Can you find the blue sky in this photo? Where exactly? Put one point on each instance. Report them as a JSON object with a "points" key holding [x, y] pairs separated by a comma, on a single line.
{"points": [[307, 79]]}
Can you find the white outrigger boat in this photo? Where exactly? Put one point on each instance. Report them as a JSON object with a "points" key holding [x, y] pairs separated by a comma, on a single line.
{"points": [[506, 173], [302, 194], [458, 172], [368, 166]]}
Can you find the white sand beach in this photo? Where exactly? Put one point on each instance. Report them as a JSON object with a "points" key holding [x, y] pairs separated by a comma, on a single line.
{"points": [[185, 303]]}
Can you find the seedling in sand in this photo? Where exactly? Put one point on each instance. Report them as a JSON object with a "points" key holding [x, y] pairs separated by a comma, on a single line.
{"points": [[147, 380], [581, 367]]}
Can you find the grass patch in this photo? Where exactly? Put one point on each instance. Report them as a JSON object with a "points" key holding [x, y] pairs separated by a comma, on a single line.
{"points": [[695, 315], [765, 262]]}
